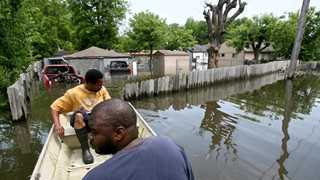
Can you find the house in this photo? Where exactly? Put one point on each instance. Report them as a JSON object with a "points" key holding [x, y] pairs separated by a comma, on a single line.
{"points": [[166, 62], [228, 56], [200, 54], [266, 54], [142, 58], [94, 58]]}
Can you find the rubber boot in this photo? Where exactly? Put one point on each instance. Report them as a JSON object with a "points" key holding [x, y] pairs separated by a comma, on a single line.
{"points": [[82, 135]]}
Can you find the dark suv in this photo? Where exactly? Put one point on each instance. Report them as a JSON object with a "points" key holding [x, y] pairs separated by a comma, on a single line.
{"points": [[119, 67]]}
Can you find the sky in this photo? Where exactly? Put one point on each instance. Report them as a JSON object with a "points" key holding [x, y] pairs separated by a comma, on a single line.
{"points": [[178, 11]]}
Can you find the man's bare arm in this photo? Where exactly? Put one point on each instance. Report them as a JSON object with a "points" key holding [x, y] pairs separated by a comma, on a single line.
{"points": [[59, 130]]}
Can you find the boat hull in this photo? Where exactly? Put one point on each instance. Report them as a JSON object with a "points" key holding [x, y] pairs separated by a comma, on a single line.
{"points": [[60, 159]]}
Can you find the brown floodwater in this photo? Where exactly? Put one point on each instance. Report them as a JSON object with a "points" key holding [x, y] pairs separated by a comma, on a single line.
{"points": [[263, 128], [266, 133]]}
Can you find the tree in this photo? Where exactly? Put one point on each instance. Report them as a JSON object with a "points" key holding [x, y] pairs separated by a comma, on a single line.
{"points": [[50, 27], [148, 31], [310, 50], [199, 30], [254, 33], [217, 21], [124, 44], [14, 45], [97, 22], [179, 38], [283, 35]]}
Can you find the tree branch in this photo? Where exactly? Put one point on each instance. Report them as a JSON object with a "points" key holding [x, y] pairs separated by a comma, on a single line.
{"points": [[253, 46], [265, 46], [207, 16], [210, 6], [230, 6], [242, 5], [213, 9], [222, 2]]}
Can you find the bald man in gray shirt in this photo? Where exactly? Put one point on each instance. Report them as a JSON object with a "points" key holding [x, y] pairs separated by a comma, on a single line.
{"points": [[114, 131]]}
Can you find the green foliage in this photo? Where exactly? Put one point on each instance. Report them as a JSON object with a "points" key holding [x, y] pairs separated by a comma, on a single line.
{"points": [[96, 22], [50, 28], [254, 33], [14, 46], [310, 50], [148, 31], [199, 30], [283, 36], [278, 32], [33, 29], [284, 33], [124, 44], [179, 38]]}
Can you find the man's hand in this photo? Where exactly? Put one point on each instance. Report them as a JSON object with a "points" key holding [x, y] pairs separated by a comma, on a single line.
{"points": [[59, 130]]}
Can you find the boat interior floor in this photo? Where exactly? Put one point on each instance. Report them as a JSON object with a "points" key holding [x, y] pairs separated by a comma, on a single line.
{"points": [[77, 169]]}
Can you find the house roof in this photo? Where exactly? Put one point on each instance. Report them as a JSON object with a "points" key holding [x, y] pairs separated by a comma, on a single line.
{"points": [[140, 53], [200, 48], [172, 53], [95, 53]]}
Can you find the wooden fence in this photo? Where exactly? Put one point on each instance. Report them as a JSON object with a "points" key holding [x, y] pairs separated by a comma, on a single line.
{"points": [[200, 96], [310, 66], [199, 79], [20, 93]]}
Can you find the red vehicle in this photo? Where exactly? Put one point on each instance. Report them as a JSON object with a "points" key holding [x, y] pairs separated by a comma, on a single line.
{"points": [[60, 73]]}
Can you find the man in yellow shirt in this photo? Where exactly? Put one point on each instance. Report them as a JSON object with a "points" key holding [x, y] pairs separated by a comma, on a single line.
{"points": [[80, 100]]}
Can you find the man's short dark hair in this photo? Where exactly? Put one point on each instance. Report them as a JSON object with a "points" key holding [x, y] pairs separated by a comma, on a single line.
{"points": [[93, 75], [117, 112]]}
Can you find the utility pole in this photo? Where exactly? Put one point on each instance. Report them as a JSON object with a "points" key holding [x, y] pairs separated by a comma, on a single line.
{"points": [[299, 37]]}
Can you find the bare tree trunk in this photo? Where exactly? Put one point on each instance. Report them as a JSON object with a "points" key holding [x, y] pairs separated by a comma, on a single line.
{"points": [[217, 21], [299, 38], [213, 57], [256, 55]]}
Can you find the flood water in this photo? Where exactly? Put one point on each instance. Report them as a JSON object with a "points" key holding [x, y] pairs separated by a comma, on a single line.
{"points": [[263, 134], [243, 130]]}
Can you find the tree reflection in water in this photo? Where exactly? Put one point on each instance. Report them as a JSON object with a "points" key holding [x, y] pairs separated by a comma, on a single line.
{"points": [[19, 149], [221, 125], [285, 126]]}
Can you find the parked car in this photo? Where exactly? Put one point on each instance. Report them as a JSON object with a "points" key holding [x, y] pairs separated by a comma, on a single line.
{"points": [[119, 67], [60, 73]]}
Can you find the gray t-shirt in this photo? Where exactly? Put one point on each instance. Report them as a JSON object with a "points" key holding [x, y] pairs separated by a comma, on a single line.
{"points": [[155, 158]]}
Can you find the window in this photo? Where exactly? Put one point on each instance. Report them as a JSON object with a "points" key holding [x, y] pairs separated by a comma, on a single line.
{"points": [[233, 55], [59, 69], [223, 55]]}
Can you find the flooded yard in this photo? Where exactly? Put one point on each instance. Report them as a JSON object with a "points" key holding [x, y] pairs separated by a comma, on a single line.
{"points": [[267, 133], [261, 128]]}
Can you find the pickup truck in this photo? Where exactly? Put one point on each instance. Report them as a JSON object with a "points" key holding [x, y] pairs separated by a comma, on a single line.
{"points": [[60, 73]]}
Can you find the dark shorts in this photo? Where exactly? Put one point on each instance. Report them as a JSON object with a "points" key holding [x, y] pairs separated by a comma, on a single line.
{"points": [[86, 117]]}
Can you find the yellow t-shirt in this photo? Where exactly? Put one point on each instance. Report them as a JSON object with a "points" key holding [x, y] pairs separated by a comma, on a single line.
{"points": [[79, 97]]}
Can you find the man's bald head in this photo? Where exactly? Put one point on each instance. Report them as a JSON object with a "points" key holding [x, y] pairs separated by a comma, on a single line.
{"points": [[115, 112]]}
